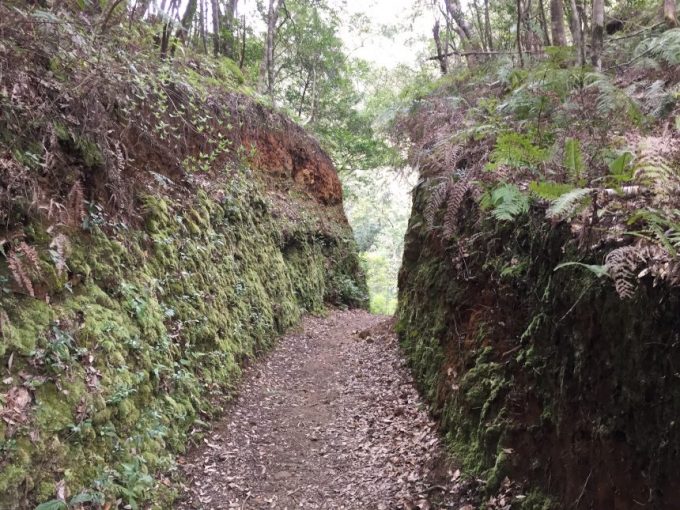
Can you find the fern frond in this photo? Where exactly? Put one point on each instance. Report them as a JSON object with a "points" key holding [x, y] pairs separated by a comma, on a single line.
{"points": [[621, 264], [435, 201], [508, 202], [569, 203], [456, 195], [75, 204], [549, 190], [653, 168], [664, 48]]}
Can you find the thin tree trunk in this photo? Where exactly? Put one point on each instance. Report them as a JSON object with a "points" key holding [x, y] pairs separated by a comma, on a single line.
{"points": [[480, 25], [203, 17], [186, 21], [215, 5], [443, 65], [544, 23], [243, 42], [456, 12], [577, 32], [559, 37], [597, 42], [519, 33], [487, 25], [266, 82], [669, 13], [230, 25]]}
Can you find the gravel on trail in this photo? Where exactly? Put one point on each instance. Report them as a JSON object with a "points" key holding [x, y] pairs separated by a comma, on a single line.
{"points": [[329, 419]]}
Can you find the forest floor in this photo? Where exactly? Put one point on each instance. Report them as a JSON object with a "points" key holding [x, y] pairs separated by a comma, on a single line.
{"points": [[330, 418]]}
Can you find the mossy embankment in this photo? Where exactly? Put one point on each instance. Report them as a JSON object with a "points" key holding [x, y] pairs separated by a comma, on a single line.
{"points": [[159, 229], [541, 375]]}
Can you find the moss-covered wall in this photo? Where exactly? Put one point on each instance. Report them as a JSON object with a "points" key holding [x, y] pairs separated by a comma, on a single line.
{"points": [[543, 375], [144, 335]]}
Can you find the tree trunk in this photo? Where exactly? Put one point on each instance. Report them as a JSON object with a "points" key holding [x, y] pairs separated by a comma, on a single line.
{"points": [[230, 25], [669, 13], [559, 37], [577, 32], [487, 25], [441, 57], [243, 42], [456, 12], [544, 23], [215, 5], [519, 33], [202, 16], [186, 21], [597, 42], [266, 82], [480, 25]]}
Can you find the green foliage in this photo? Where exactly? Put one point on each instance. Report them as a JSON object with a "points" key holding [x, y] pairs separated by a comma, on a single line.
{"points": [[569, 203], [516, 150], [378, 207], [665, 47], [55, 504], [549, 190], [621, 168], [506, 202], [598, 270], [573, 161]]}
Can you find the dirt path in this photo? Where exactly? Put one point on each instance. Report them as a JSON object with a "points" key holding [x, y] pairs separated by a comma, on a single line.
{"points": [[330, 419]]}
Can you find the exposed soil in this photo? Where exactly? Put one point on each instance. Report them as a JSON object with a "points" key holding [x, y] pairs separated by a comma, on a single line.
{"points": [[330, 419]]}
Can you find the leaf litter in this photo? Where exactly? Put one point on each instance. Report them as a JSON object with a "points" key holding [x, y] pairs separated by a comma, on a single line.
{"points": [[330, 418]]}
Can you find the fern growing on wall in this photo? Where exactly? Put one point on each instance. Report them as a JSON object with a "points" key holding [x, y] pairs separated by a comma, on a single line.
{"points": [[450, 192], [506, 202]]}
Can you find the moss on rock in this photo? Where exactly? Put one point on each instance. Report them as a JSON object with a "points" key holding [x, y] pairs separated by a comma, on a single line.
{"points": [[543, 375], [152, 331]]}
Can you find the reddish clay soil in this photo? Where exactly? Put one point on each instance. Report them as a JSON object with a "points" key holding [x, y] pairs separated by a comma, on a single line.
{"points": [[329, 419]]}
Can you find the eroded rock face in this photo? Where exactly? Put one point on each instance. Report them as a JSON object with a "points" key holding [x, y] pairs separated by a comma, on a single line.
{"points": [[541, 375], [285, 150]]}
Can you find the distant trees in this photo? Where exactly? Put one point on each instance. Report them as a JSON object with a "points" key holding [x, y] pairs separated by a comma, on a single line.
{"points": [[473, 30]]}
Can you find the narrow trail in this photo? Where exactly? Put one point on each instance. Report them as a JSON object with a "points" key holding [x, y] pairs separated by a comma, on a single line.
{"points": [[329, 419]]}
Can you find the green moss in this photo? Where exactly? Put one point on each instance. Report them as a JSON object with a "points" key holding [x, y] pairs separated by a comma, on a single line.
{"points": [[513, 356], [53, 412], [156, 330], [28, 322], [536, 500]]}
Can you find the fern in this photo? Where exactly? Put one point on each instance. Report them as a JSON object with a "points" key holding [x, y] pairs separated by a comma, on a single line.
{"points": [[23, 262], [75, 204], [517, 151], [621, 264], [451, 192], [436, 200], [573, 160], [653, 168], [621, 170], [549, 190], [507, 202], [569, 203], [664, 48], [456, 195], [611, 100]]}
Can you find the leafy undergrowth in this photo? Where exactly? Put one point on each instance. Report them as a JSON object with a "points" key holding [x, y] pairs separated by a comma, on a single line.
{"points": [[538, 294], [159, 228]]}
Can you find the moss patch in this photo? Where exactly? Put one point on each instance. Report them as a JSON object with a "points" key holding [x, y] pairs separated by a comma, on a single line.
{"points": [[152, 331]]}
